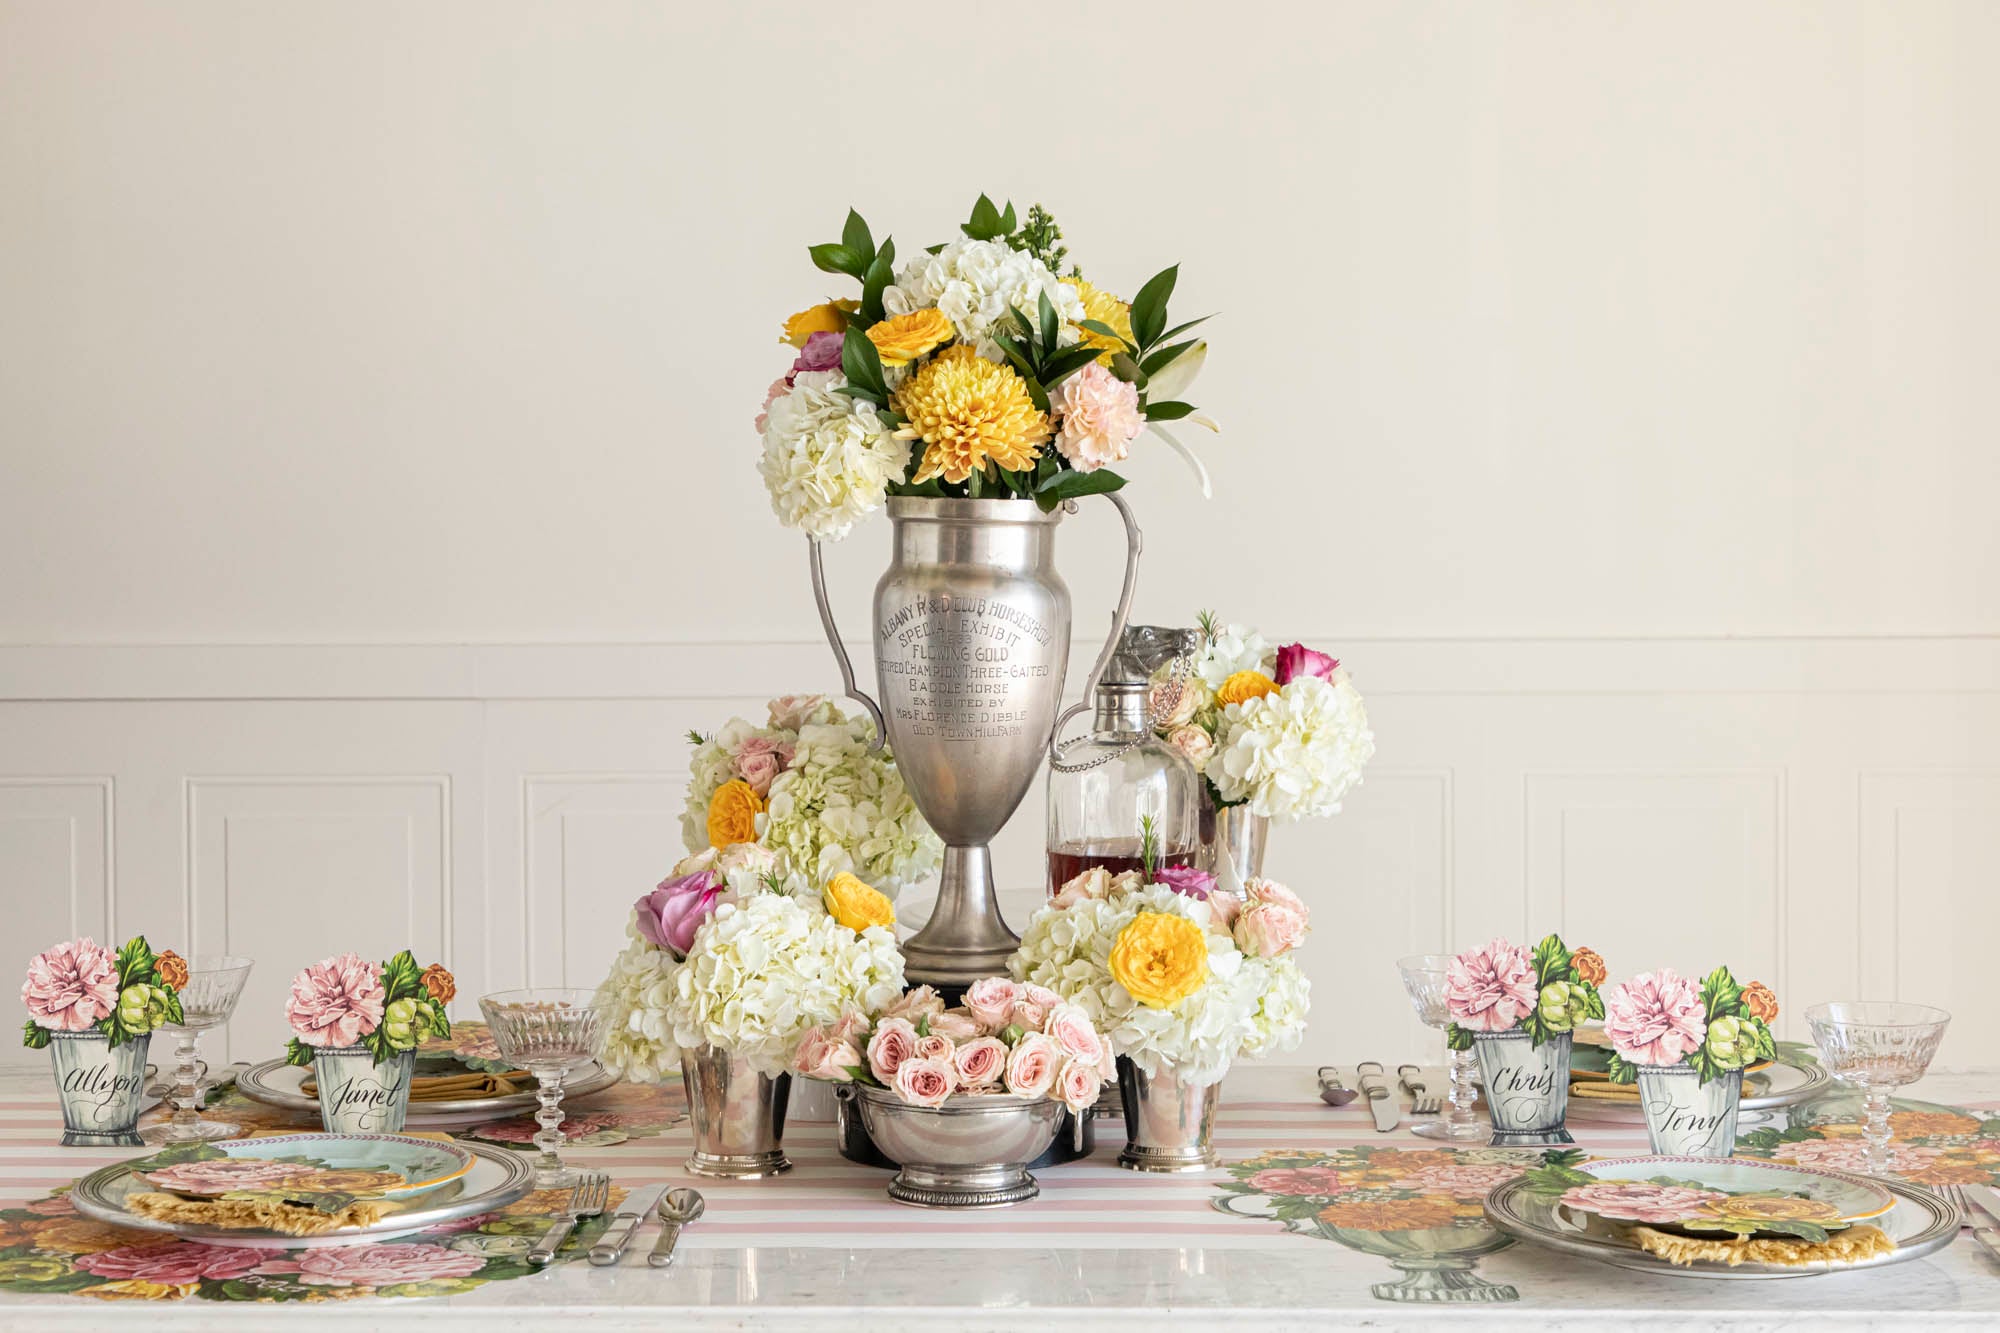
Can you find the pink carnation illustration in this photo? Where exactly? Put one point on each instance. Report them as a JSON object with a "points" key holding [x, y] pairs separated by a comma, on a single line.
{"points": [[1851, 1154], [71, 986], [1491, 989], [374, 1265], [1301, 1181], [1470, 1180], [173, 1262], [218, 1176], [1638, 1200], [575, 1125], [336, 1002], [1656, 1018]]}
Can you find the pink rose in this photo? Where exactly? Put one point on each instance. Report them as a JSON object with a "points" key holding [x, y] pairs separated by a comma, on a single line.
{"points": [[1077, 1084], [1075, 1036], [669, 916], [1295, 660], [956, 1024], [852, 1028], [936, 1046], [821, 1057], [924, 1082], [376, 1265], [1032, 1066], [1039, 995], [1299, 1181], [71, 986], [790, 711], [1223, 907], [757, 763], [1099, 415], [1091, 884], [336, 1002], [981, 1062], [990, 999], [173, 1262], [895, 1041], [1273, 919], [920, 1001], [1638, 1200], [1195, 745], [1491, 989], [1027, 1014], [1656, 1018], [812, 1045], [1172, 705], [779, 388]]}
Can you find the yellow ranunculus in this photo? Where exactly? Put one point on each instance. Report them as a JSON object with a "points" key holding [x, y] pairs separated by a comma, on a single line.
{"points": [[1161, 958], [732, 814], [856, 905], [1244, 686], [903, 339], [826, 317]]}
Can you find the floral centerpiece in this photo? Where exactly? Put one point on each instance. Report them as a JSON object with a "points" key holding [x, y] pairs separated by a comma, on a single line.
{"points": [[1179, 975], [359, 1024], [1686, 1044], [1517, 1008], [97, 1009], [971, 369]]}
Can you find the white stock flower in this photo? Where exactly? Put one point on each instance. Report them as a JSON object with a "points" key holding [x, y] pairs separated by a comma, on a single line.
{"points": [[828, 458], [1294, 753], [974, 282]]}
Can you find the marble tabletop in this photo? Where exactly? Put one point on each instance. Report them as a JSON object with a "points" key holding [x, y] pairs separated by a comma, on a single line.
{"points": [[822, 1248]]}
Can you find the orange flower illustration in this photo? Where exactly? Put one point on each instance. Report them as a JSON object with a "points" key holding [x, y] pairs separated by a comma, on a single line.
{"points": [[1589, 966], [172, 969], [1930, 1124], [1761, 1001], [1426, 1212], [80, 1235], [1949, 1171], [439, 983]]}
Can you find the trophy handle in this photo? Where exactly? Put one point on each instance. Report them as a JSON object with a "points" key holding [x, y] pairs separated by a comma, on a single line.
{"points": [[847, 684], [1134, 543]]}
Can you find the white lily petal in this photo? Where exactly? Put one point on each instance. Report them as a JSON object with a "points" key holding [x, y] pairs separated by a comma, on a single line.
{"points": [[1172, 380], [1204, 419], [1200, 472]]}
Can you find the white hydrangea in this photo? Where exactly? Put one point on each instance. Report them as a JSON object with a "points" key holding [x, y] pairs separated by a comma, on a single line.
{"points": [[828, 458], [1236, 648], [1293, 753], [974, 283], [637, 1040], [761, 972], [1284, 996]]}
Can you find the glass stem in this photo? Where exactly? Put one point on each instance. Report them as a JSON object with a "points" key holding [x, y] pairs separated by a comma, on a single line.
{"points": [[549, 1092], [1464, 1120], [187, 1118], [1876, 1110]]}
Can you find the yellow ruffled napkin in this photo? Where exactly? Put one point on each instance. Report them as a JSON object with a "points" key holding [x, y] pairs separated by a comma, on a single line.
{"points": [[1849, 1246], [289, 1219], [453, 1087]]}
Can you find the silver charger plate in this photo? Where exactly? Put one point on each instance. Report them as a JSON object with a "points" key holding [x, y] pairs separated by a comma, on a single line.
{"points": [[276, 1083], [1786, 1081], [498, 1177], [1920, 1223]]}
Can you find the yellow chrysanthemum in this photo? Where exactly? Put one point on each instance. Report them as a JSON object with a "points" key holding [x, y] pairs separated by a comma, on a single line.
{"points": [[1106, 309], [904, 338], [732, 813], [1161, 958], [1244, 686], [856, 905], [969, 412], [826, 317]]}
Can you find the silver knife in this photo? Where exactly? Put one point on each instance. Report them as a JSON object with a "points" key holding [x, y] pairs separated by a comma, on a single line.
{"points": [[1988, 1202], [638, 1206], [1381, 1104]]}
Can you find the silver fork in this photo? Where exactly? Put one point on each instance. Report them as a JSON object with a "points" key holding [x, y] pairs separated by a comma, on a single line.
{"points": [[1422, 1100], [1955, 1195], [592, 1192]]}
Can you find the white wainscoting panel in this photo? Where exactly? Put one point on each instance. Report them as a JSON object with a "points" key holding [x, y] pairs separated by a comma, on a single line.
{"points": [[594, 843], [55, 857]]}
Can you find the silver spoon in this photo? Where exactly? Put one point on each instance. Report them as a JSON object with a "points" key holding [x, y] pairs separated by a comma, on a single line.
{"points": [[678, 1207]]}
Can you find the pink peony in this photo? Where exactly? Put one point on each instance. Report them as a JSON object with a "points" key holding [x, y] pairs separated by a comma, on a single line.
{"points": [[758, 762], [1491, 989], [779, 388], [1638, 1200], [1656, 1018], [336, 1002], [790, 711], [981, 1062], [374, 1265], [1077, 1084], [1074, 1034], [1033, 1065], [669, 916], [173, 1262], [1099, 417], [923, 1082], [72, 986], [1273, 919], [895, 1041], [990, 999], [1295, 660], [1299, 1181], [919, 1001]]}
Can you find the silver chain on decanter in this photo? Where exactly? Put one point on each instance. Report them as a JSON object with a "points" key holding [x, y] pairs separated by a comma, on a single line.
{"points": [[1177, 675]]}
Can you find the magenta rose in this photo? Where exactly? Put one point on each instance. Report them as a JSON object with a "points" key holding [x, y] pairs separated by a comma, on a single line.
{"points": [[1638, 1200], [336, 1002], [669, 916], [71, 986], [1032, 1066], [1299, 1181], [1656, 1018], [1295, 660], [173, 1262], [1186, 880], [990, 1000], [895, 1041], [821, 352], [981, 1062], [922, 1082], [376, 1265], [1491, 989], [1077, 1084]]}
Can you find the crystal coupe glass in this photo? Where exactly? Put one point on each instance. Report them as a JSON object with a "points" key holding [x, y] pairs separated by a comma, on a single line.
{"points": [[1424, 979], [214, 985], [1878, 1046], [547, 1032]]}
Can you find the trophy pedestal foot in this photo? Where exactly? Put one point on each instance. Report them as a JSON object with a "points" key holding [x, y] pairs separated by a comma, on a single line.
{"points": [[965, 939]]}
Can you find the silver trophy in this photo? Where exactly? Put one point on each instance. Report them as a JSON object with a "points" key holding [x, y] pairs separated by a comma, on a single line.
{"points": [[971, 643]]}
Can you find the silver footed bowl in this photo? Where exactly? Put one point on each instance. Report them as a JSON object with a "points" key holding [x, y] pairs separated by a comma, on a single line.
{"points": [[971, 1152]]}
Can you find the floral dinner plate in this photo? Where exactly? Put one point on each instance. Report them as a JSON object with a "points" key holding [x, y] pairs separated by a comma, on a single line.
{"points": [[1722, 1195], [386, 1166]]}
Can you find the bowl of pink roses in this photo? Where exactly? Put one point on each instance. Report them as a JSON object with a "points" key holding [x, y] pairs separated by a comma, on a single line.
{"points": [[962, 1098]]}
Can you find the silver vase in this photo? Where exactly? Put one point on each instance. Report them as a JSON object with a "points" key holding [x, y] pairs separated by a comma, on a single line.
{"points": [[1232, 842], [1527, 1087], [1686, 1117], [737, 1114], [971, 643], [1168, 1122], [358, 1096], [100, 1086]]}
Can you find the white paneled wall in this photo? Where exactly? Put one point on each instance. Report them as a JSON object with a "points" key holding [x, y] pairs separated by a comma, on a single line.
{"points": [[1668, 802]]}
